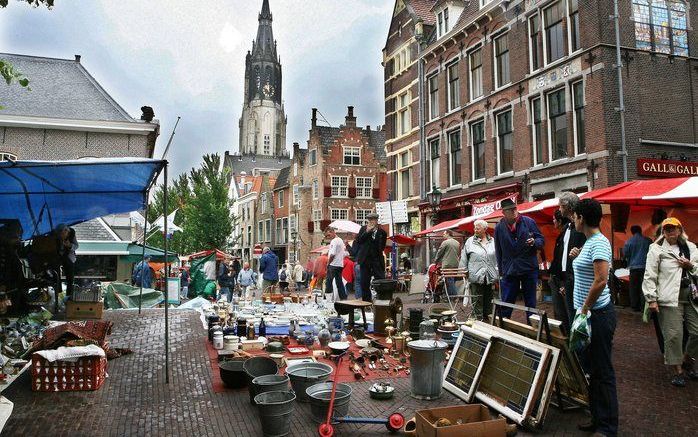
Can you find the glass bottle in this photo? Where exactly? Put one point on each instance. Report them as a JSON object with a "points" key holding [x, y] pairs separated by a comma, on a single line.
{"points": [[262, 328]]}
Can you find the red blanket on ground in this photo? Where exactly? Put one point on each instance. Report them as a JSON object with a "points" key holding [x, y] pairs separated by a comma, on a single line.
{"points": [[94, 331], [345, 372]]}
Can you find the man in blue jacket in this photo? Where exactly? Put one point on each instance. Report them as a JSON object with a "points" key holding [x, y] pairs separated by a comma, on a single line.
{"points": [[517, 241], [268, 267], [635, 252]]}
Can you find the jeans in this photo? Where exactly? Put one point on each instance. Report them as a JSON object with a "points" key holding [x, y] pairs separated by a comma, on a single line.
{"points": [[334, 274], [512, 284], [481, 295], [569, 295], [603, 399], [185, 292], [451, 287], [637, 299]]}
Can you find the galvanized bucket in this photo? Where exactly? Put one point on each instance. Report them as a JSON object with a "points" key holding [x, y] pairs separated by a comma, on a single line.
{"points": [[258, 366], [304, 375], [427, 368], [275, 410], [320, 394], [265, 383]]}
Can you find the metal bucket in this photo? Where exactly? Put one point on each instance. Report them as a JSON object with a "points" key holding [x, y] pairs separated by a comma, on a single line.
{"points": [[320, 394], [258, 366], [304, 375], [265, 383], [427, 368], [275, 410]]}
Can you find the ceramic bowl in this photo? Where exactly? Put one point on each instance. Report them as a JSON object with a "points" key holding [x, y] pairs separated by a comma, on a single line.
{"points": [[338, 347], [364, 342]]}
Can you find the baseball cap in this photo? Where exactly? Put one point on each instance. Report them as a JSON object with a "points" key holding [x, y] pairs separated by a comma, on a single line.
{"points": [[672, 221]]}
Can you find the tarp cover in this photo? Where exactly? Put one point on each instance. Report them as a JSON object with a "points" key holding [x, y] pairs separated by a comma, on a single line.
{"points": [[198, 281], [120, 295], [44, 194]]}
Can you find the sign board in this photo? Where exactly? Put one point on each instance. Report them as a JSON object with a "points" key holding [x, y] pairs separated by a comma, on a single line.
{"points": [[555, 76], [490, 207], [399, 212], [257, 251], [665, 168], [173, 287]]}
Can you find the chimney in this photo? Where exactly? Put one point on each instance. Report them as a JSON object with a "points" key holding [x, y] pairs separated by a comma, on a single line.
{"points": [[243, 174], [147, 114], [296, 148], [350, 120], [313, 119], [368, 128], [77, 58]]}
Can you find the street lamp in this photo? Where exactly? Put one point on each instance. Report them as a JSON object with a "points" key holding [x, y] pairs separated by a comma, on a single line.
{"points": [[294, 236], [434, 198]]}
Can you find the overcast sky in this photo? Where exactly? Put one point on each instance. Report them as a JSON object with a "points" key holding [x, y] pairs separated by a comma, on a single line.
{"points": [[187, 58]]}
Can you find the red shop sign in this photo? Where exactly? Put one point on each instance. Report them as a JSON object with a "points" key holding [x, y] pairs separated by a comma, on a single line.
{"points": [[490, 207], [660, 167]]}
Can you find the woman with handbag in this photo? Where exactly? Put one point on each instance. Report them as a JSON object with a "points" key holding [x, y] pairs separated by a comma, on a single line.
{"points": [[669, 287]]}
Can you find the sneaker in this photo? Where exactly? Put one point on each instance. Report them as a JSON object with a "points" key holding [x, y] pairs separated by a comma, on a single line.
{"points": [[678, 381]]}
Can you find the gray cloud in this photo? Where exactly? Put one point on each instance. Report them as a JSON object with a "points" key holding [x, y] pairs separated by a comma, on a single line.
{"points": [[184, 59]]}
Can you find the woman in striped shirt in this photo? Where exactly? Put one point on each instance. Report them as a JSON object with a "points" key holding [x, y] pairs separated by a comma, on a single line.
{"points": [[592, 295]]}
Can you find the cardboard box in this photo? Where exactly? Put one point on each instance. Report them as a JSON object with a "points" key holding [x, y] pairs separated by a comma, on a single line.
{"points": [[83, 310], [476, 421]]}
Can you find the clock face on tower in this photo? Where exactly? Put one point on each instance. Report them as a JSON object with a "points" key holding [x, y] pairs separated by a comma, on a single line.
{"points": [[268, 90]]}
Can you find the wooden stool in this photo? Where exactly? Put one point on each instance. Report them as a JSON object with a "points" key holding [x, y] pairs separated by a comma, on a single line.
{"points": [[348, 307]]}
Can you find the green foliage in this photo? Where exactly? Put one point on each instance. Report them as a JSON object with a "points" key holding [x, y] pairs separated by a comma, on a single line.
{"points": [[10, 75], [204, 209]]}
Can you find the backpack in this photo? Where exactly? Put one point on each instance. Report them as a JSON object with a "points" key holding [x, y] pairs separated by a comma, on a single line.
{"points": [[282, 276], [137, 274]]}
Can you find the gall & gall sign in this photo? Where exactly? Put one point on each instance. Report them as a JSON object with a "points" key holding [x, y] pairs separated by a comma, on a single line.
{"points": [[660, 167]]}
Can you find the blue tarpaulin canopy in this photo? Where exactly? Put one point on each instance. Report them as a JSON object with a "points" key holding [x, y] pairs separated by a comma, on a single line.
{"points": [[44, 194]]}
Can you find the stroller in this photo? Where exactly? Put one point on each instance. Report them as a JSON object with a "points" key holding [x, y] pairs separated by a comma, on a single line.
{"points": [[434, 289]]}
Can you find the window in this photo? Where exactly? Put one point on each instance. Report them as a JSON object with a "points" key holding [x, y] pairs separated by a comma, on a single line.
{"points": [[281, 198], [402, 60], [476, 74], [284, 228], [317, 218], [442, 19], [313, 157], [535, 43], [404, 176], [537, 117], [267, 145], [292, 224], [557, 124], [477, 133], [433, 82], [364, 187], [505, 143], [296, 196], [555, 32], [5, 156], [249, 235], [339, 214], [340, 186], [260, 232], [295, 169], [315, 189], [501, 57], [435, 162], [264, 203], [352, 155], [575, 36], [403, 114], [661, 26], [361, 216], [279, 232], [267, 230], [454, 161], [578, 103], [453, 86]]}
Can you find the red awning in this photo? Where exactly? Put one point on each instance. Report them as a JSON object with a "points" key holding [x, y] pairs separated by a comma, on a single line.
{"points": [[403, 239], [654, 192], [220, 255]]}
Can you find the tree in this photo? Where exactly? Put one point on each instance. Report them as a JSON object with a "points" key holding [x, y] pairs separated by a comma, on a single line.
{"points": [[10, 75], [34, 3], [178, 194]]}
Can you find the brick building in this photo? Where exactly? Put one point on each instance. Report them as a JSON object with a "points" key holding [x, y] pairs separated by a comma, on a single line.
{"points": [[402, 116], [280, 198], [520, 97], [340, 176]]}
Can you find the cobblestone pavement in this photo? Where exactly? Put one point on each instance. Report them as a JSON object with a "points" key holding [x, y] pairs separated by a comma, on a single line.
{"points": [[135, 401]]}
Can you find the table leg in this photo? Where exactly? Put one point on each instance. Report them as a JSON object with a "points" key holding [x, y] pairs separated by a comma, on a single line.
{"points": [[363, 313], [351, 320]]}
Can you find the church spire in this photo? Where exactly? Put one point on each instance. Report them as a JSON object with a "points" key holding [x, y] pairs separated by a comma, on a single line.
{"points": [[265, 46], [266, 13]]}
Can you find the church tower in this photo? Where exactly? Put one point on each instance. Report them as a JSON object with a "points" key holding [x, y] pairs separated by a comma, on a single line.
{"points": [[263, 121]]}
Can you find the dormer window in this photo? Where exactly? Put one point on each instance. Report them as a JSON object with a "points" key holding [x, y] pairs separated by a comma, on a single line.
{"points": [[443, 25]]}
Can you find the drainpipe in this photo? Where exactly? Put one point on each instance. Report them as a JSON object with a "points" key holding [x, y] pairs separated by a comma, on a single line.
{"points": [[621, 109]]}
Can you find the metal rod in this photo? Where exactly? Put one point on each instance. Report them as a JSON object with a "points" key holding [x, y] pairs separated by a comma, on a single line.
{"points": [[145, 229], [167, 276], [393, 249], [167, 148], [621, 96]]}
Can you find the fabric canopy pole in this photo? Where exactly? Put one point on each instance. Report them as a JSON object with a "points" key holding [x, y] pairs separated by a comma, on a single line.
{"points": [[145, 232], [167, 276]]}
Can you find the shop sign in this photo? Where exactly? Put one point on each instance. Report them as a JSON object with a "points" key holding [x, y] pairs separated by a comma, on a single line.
{"points": [[555, 76], [397, 210], [490, 207], [661, 167], [257, 251]]}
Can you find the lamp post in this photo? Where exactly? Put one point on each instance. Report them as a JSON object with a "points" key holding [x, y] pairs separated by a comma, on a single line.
{"points": [[294, 237], [434, 198]]}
